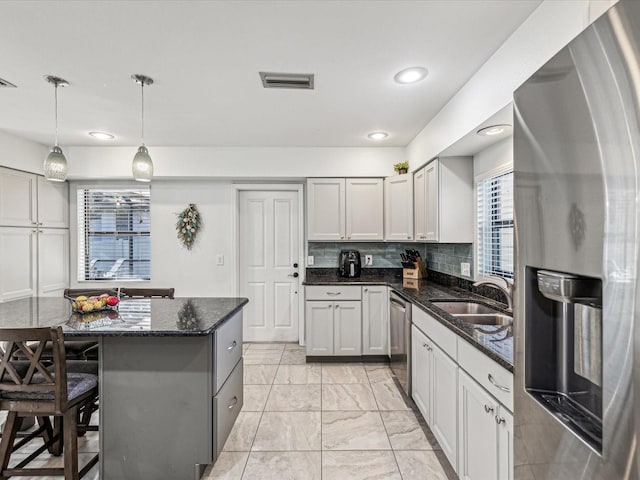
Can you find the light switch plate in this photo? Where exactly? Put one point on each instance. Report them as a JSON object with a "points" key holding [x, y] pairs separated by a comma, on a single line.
{"points": [[465, 269], [368, 259], [310, 260]]}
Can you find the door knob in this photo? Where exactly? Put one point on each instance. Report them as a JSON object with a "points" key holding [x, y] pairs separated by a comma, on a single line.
{"points": [[294, 275]]}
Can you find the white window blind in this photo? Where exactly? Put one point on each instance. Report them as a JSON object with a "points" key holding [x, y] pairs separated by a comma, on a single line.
{"points": [[495, 225], [114, 238]]}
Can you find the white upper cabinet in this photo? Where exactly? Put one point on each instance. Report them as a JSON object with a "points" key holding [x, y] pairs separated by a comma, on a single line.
{"points": [[53, 261], [53, 204], [443, 201], [345, 209], [326, 209], [18, 262], [365, 203], [18, 198], [398, 208]]}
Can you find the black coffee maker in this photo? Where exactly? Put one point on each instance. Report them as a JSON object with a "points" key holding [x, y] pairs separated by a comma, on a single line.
{"points": [[349, 263]]}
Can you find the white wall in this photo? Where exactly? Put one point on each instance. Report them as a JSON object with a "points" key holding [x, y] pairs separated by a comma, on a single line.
{"points": [[21, 154], [549, 28], [236, 162], [496, 156], [191, 273]]}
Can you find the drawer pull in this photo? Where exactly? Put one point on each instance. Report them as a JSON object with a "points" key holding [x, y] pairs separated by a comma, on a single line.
{"points": [[497, 385], [488, 409], [499, 420], [333, 294], [234, 402], [232, 346]]}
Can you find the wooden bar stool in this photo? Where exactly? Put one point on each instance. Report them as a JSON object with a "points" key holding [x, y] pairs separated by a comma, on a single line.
{"points": [[41, 393]]}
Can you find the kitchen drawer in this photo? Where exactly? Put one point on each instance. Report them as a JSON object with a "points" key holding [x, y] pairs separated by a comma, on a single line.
{"points": [[329, 292], [432, 328], [227, 349], [498, 381], [226, 406]]}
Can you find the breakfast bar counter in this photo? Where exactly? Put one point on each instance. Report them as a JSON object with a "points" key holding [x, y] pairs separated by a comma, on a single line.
{"points": [[170, 378]]}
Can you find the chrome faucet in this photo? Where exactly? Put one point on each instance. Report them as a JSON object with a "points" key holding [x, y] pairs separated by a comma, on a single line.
{"points": [[507, 289]]}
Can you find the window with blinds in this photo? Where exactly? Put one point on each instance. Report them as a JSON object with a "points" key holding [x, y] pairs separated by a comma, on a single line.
{"points": [[114, 238], [495, 225]]}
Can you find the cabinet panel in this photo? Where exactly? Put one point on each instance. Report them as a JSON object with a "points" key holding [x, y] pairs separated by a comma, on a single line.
{"points": [[319, 327], [364, 213], [506, 464], [53, 204], [347, 328], [433, 201], [478, 442], [226, 406], [18, 253], [326, 209], [420, 204], [444, 406], [18, 197], [445, 338], [53, 261], [421, 372], [333, 292], [227, 348], [398, 208], [375, 321]]}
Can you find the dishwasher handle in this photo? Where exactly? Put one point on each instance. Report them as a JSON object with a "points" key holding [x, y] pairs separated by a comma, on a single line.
{"points": [[402, 305]]}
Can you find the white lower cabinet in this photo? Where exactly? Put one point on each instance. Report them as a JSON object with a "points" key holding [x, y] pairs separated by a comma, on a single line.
{"points": [[421, 368], [375, 320], [485, 434], [334, 328], [319, 328]]}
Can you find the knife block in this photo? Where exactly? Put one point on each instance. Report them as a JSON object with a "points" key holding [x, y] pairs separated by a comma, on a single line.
{"points": [[417, 272]]}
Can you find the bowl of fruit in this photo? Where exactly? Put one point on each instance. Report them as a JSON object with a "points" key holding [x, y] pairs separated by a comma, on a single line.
{"points": [[94, 303]]}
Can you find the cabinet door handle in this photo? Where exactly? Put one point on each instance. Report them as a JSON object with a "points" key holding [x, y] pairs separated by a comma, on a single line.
{"points": [[333, 294], [232, 346], [233, 403], [499, 420], [336, 306], [424, 345], [497, 385], [366, 290], [488, 409]]}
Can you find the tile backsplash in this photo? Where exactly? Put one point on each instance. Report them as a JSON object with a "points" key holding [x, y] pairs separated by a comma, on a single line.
{"points": [[445, 258]]}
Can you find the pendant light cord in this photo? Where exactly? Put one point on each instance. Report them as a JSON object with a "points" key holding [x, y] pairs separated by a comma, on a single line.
{"points": [[142, 135], [56, 116]]}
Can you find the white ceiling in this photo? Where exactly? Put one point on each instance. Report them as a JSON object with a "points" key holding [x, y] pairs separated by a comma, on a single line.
{"points": [[205, 58]]}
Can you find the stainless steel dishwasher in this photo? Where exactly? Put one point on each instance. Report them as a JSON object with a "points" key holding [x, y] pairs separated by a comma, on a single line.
{"points": [[400, 340]]}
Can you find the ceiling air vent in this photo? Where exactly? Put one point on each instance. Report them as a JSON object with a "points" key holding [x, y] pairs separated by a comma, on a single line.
{"points": [[4, 83], [287, 80]]}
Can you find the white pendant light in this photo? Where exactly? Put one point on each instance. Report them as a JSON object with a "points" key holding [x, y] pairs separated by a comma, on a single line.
{"points": [[142, 165], [55, 165]]}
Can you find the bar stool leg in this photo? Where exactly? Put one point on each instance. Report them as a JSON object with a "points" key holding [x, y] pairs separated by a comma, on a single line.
{"points": [[70, 444]]}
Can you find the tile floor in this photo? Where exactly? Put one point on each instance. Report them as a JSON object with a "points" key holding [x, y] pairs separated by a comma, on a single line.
{"points": [[324, 421]]}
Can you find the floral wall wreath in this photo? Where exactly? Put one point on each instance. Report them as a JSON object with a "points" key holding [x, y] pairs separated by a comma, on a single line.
{"points": [[188, 225]]}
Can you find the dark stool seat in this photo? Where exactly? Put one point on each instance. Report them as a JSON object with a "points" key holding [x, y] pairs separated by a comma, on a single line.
{"points": [[43, 390]]}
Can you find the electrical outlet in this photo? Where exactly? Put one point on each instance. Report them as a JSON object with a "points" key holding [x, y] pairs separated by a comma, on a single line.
{"points": [[310, 260], [219, 259], [368, 259], [465, 269]]}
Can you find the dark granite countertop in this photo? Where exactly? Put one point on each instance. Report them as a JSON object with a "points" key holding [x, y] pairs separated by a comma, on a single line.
{"points": [[496, 342], [157, 317]]}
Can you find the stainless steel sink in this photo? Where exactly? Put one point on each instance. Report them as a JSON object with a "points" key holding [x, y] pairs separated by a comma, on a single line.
{"points": [[464, 308], [486, 319]]}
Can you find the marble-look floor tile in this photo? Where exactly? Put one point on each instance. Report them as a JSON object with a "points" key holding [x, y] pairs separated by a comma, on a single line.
{"points": [[298, 374], [356, 396], [283, 466], [255, 397], [344, 373], [359, 430], [243, 432], [262, 357], [420, 465], [405, 433], [294, 357], [245, 347], [379, 374], [266, 346], [289, 398], [389, 397], [259, 374], [228, 466], [294, 346], [280, 431], [355, 465]]}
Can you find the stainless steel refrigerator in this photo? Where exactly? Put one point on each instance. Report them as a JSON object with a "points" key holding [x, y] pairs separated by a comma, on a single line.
{"points": [[577, 164]]}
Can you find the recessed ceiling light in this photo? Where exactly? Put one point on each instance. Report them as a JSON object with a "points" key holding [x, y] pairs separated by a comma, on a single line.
{"points": [[410, 75], [378, 135], [101, 135], [492, 130]]}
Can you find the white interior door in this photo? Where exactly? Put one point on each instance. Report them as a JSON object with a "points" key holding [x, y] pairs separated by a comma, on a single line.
{"points": [[268, 249]]}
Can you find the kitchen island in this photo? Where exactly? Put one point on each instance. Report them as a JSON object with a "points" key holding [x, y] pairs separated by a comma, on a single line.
{"points": [[170, 378]]}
